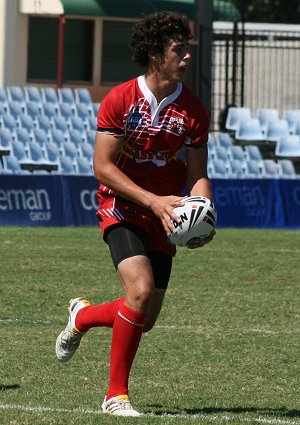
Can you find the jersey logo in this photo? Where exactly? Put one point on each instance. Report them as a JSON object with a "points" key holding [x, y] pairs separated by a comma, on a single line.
{"points": [[134, 120]]}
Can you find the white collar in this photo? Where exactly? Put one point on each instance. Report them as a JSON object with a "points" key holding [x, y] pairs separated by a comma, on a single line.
{"points": [[149, 96]]}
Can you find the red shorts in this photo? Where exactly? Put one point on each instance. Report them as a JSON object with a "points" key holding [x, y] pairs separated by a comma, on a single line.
{"points": [[114, 211]]}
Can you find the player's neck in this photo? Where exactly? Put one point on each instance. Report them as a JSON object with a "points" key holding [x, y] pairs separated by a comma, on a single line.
{"points": [[160, 88]]}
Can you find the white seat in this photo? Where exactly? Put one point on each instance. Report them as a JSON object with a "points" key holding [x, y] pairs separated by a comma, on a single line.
{"points": [[236, 152], [277, 129], [288, 146], [221, 153], [236, 169], [291, 116], [223, 139], [286, 169], [253, 170], [252, 152], [219, 169], [270, 169], [235, 116], [249, 130], [264, 115]]}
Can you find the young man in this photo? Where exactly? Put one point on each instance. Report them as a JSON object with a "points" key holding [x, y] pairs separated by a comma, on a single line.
{"points": [[144, 125]]}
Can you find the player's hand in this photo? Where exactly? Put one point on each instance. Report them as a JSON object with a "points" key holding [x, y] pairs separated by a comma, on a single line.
{"points": [[163, 206], [204, 241]]}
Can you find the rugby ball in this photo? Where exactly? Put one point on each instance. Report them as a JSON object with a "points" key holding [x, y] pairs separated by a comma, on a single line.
{"points": [[198, 218]]}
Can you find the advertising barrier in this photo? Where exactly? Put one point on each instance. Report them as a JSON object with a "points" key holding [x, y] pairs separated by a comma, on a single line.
{"points": [[72, 201]]}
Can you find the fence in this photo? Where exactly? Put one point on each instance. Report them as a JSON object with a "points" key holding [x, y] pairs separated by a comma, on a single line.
{"points": [[255, 65]]}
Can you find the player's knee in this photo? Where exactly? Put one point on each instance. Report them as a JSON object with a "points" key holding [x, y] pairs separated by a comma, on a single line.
{"points": [[141, 298]]}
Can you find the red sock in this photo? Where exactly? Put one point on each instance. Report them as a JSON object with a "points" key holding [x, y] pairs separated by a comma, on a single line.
{"points": [[98, 315], [127, 332]]}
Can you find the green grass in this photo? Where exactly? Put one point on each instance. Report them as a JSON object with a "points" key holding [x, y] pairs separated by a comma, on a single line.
{"points": [[225, 349]]}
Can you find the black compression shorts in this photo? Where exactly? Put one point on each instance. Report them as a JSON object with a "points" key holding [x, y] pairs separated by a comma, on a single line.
{"points": [[126, 241]]}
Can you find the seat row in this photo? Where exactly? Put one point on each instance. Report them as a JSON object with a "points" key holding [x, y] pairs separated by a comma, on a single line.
{"points": [[265, 169], [267, 125]]}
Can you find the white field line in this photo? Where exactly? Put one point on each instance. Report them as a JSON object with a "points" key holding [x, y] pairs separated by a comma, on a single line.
{"points": [[202, 417], [186, 328]]}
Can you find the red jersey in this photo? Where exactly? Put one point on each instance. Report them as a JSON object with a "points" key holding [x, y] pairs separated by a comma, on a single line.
{"points": [[152, 134]]}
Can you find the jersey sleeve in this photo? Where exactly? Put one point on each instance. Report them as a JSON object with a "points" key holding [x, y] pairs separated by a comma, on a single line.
{"points": [[199, 125], [110, 115]]}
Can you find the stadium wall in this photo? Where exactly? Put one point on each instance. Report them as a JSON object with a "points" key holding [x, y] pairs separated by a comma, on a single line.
{"points": [[71, 201]]}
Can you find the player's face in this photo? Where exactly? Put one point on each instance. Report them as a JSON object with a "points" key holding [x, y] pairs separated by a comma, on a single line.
{"points": [[175, 61]]}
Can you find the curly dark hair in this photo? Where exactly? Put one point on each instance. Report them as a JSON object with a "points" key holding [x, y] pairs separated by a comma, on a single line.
{"points": [[153, 33]]}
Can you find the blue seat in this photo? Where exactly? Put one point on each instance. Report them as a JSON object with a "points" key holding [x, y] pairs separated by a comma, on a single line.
{"points": [[36, 153], [249, 130], [15, 110], [236, 152], [19, 151], [23, 136], [235, 116], [26, 122], [252, 152], [223, 139], [291, 116], [3, 99], [270, 169], [92, 124], [77, 124], [219, 169], [87, 151], [16, 94], [65, 95], [60, 124], [33, 94], [57, 136], [44, 123], [66, 111], [5, 141], [49, 95], [75, 136], [288, 146], [50, 110], [52, 153], [253, 169], [67, 165], [82, 111], [277, 129], [82, 95], [286, 169], [236, 169], [32, 109], [90, 137], [83, 166], [70, 150], [40, 136], [221, 153], [9, 122], [96, 106], [264, 115], [11, 165]]}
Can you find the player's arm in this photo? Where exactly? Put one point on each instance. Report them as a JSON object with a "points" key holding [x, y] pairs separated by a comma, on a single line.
{"points": [[198, 181], [106, 152]]}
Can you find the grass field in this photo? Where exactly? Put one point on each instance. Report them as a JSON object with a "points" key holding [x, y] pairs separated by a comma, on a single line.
{"points": [[225, 349]]}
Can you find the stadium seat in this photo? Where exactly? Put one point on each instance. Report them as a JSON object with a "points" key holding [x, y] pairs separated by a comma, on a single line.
{"points": [[16, 110], [8, 121], [3, 99], [286, 169], [236, 169], [83, 166], [252, 152], [36, 153], [96, 107], [16, 94], [66, 165], [26, 122], [223, 139], [49, 95], [236, 152], [19, 151], [218, 169], [12, 165], [50, 110], [60, 124], [77, 124], [32, 109], [70, 150], [75, 136], [253, 169], [83, 111], [40, 136], [33, 94], [57, 137], [92, 124], [270, 169], [235, 116], [288, 146], [264, 115], [52, 153], [87, 151], [82, 95], [44, 123], [221, 153], [66, 111], [65, 95], [291, 116], [249, 131], [5, 141], [23, 136], [90, 137], [277, 129]]}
